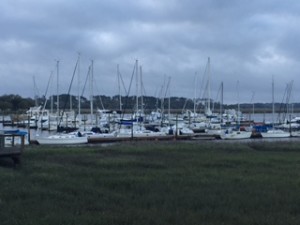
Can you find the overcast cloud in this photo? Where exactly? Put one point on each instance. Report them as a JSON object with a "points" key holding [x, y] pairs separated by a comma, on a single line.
{"points": [[247, 41]]}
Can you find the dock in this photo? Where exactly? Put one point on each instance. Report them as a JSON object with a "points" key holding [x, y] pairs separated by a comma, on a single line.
{"points": [[150, 138], [10, 148]]}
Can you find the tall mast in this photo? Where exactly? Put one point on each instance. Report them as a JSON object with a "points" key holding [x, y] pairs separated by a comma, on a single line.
{"points": [[208, 70], [169, 102], [79, 97], [36, 94], [137, 85], [92, 90], [273, 106], [169, 99], [119, 87], [238, 99], [195, 93], [51, 105], [142, 99], [253, 94], [222, 99], [57, 85]]}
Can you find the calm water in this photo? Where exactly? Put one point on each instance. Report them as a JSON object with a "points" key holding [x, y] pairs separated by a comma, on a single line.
{"points": [[266, 117], [258, 117]]}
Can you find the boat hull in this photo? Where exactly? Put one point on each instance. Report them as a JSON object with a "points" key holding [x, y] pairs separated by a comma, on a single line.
{"points": [[61, 140], [275, 134], [236, 135]]}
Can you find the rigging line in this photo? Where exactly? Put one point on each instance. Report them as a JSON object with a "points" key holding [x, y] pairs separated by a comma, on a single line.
{"points": [[122, 81], [65, 103], [163, 88], [127, 92], [86, 79], [133, 73], [156, 98], [287, 99], [99, 96], [219, 91], [167, 88], [44, 107], [160, 100], [202, 91], [290, 94], [46, 92], [143, 89], [282, 105]]}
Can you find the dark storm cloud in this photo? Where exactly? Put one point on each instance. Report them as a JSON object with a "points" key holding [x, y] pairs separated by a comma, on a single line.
{"points": [[249, 41]]}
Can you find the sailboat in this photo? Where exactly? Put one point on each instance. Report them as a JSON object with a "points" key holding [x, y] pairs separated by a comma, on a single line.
{"points": [[62, 139], [231, 134], [274, 133]]}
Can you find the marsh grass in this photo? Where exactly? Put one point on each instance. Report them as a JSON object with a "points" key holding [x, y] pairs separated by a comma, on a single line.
{"points": [[154, 183]]}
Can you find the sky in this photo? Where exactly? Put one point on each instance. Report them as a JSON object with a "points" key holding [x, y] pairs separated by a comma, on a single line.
{"points": [[249, 44]]}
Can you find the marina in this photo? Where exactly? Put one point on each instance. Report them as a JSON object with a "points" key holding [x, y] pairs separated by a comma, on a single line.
{"points": [[140, 118], [179, 127]]}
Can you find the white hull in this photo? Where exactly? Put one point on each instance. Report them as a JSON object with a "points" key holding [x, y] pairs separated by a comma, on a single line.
{"points": [[140, 134], [214, 131], [102, 135], [234, 135], [295, 134], [63, 139], [275, 134]]}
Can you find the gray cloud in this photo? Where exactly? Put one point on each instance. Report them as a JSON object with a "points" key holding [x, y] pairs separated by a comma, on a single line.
{"points": [[246, 41]]}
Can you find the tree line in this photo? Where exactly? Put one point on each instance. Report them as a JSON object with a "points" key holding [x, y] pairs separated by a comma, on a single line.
{"points": [[16, 103]]}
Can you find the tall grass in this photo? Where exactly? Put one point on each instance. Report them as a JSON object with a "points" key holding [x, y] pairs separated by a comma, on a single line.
{"points": [[153, 183]]}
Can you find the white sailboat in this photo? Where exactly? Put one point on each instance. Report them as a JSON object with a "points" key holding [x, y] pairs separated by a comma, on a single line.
{"points": [[274, 133], [135, 129], [62, 139], [230, 134]]}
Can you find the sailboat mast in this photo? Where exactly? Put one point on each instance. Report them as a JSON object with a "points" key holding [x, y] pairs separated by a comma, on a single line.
{"points": [[273, 106], [169, 97], [119, 87], [169, 102], [238, 98], [208, 70], [92, 90], [137, 85], [195, 93], [51, 98], [253, 94], [79, 97], [57, 85], [222, 99], [142, 99], [36, 95]]}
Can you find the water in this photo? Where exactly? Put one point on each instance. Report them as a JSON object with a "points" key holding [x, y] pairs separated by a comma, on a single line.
{"points": [[258, 117], [266, 117]]}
